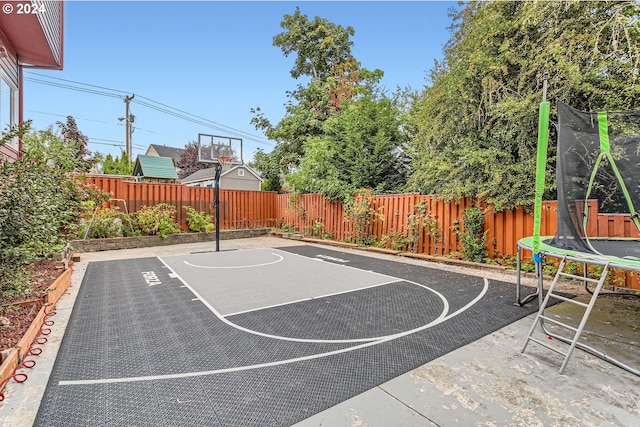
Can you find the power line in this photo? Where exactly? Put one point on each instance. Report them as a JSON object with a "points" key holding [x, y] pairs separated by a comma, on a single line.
{"points": [[89, 120], [160, 107], [76, 88], [62, 115]]}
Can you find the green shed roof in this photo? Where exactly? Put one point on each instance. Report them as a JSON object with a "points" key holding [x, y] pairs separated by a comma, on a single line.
{"points": [[155, 167]]}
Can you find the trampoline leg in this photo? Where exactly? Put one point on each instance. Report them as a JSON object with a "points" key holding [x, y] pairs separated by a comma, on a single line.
{"points": [[518, 275], [529, 297], [540, 278]]}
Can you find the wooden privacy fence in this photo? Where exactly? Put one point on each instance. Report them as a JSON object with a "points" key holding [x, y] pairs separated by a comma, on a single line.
{"points": [[313, 214], [238, 209]]}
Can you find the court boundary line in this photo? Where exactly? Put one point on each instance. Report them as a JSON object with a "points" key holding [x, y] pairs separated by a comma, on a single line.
{"points": [[278, 362]]}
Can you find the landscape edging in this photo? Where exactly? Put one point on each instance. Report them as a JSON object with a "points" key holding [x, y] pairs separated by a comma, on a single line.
{"points": [[18, 353], [114, 243]]}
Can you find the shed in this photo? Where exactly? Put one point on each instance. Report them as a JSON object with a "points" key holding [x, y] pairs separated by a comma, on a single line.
{"points": [[238, 177], [155, 169]]}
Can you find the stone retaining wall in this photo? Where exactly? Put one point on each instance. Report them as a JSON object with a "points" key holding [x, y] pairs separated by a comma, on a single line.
{"points": [[96, 245]]}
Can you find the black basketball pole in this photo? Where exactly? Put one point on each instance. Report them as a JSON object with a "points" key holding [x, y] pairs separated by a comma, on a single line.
{"points": [[216, 204]]}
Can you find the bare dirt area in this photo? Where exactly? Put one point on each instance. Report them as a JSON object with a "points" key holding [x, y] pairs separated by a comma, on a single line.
{"points": [[17, 312]]}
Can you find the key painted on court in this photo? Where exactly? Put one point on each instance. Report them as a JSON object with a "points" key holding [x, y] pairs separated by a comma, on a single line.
{"points": [[151, 278]]}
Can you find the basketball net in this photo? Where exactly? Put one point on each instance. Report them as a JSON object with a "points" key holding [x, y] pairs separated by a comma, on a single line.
{"points": [[226, 161]]}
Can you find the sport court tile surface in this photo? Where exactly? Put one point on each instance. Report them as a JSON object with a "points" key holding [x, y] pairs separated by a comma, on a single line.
{"points": [[172, 359]]}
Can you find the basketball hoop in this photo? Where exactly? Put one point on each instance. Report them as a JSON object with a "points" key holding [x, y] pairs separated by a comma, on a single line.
{"points": [[226, 161]]}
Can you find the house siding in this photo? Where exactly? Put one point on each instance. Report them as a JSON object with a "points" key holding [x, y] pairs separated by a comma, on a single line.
{"points": [[9, 71], [33, 40], [51, 23], [232, 181], [9, 62]]}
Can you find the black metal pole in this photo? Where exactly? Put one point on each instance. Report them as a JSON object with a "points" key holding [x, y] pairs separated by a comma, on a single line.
{"points": [[216, 204]]}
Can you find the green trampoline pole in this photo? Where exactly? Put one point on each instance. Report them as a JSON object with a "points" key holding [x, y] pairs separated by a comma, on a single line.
{"points": [[541, 167]]}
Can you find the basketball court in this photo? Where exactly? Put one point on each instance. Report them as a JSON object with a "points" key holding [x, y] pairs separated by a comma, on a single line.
{"points": [[255, 337]]}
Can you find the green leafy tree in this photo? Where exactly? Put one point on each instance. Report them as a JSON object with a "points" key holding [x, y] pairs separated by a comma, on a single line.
{"points": [[477, 122], [336, 78], [318, 44], [270, 169], [119, 165], [363, 146]]}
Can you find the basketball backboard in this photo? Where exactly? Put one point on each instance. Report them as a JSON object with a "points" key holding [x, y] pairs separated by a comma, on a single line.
{"points": [[212, 147]]}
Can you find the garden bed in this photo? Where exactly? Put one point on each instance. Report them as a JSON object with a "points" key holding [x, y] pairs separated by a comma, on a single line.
{"points": [[22, 317]]}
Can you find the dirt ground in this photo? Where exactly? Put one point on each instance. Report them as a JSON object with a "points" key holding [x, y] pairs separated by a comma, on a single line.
{"points": [[16, 319]]}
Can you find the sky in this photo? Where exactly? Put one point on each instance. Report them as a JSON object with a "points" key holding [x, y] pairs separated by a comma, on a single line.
{"points": [[211, 61]]}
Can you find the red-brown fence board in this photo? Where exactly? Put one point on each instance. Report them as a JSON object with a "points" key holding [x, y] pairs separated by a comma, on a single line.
{"points": [[239, 209]]}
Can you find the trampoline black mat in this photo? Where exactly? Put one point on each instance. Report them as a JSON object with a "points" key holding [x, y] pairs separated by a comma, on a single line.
{"points": [[147, 352], [621, 248]]}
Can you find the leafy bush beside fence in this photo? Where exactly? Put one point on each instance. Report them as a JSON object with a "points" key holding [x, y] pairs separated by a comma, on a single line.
{"points": [[43, 198]]}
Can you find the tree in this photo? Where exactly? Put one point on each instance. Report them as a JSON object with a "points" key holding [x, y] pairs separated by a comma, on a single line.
{"points": [[188, 162], [477, 121], [363, 146], [270, 170], [71, 133], [319, 44], [323, 52], [118, 165]]}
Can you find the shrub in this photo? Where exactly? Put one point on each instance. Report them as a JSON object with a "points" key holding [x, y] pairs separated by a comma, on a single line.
{"points": [[43, 199], [421, 220], [199, 221], [106, 222], [157, 220], [395, 240], [473, 237], [360, 210]]}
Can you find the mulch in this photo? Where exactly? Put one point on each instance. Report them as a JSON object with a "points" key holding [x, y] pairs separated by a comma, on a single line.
{"points": [[17, 312]]}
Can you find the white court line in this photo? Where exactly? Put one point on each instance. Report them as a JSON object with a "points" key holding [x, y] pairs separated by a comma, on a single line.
{"points": [[236, 266], [279, 362], [310, 298], [339, 265], [445, 310]]}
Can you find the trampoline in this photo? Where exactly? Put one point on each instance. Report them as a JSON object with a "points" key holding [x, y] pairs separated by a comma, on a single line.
{"points": [[597, 171], [621, 253]]}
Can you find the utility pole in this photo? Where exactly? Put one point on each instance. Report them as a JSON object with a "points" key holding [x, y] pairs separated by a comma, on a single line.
{"points": [[128, 118]]}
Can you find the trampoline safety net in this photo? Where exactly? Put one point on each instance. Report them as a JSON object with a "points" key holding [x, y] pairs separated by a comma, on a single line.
{"points": [[598, 158]]}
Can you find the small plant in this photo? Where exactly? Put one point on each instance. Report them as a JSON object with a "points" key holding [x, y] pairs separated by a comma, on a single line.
{"points": [[326, 236], [106, 222], [318, 228], [395, 240], [421, 220], [199, 222], [288, 228], [157, 220], [360, 210], [472, 236], [295, 204]]}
